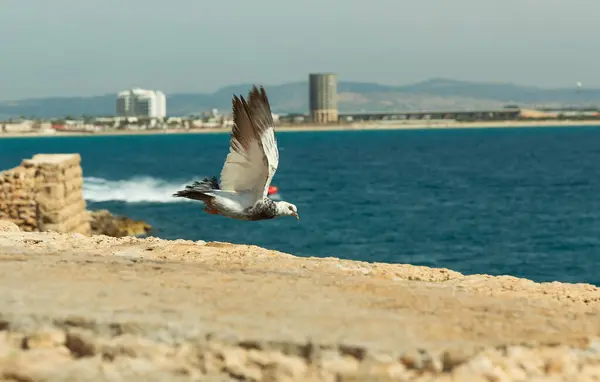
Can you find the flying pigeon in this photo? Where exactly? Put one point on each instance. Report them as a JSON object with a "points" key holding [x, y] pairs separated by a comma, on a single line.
{"points": [[249, 167]]}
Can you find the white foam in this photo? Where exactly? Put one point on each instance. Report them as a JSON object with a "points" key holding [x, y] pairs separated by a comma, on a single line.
{"points": [[134, 190], [143, 189]]}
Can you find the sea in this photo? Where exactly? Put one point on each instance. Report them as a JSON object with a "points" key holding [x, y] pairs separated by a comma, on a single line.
{"points": [[521, 201]]}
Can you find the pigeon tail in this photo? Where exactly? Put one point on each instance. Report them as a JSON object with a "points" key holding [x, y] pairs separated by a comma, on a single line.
{"points": [[198, 189]]}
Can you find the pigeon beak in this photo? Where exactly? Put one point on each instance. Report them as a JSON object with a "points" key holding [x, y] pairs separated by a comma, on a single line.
{"points": [[296, 215]]}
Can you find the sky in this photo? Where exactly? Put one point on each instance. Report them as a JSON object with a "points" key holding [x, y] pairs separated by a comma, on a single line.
{"points": [[85, 47]]}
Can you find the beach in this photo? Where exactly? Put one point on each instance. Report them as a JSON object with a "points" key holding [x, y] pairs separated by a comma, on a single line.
{"points": [[331, 127]]}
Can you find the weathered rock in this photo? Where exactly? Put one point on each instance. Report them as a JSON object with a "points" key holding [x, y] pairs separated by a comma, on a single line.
{"points": [[102, 308], [6, 226], [44, 193], [104, 223]]}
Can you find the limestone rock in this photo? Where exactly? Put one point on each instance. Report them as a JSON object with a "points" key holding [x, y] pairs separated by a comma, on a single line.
{"points": [[44, 193], [6, 226], [104, 223], [77, 308]]}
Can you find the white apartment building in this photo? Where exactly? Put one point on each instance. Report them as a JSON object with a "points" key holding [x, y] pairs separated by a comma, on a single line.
{"points": [[138, 102]]}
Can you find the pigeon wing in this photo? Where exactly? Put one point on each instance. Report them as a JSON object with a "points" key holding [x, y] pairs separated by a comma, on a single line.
{"points": [[253, 155]]}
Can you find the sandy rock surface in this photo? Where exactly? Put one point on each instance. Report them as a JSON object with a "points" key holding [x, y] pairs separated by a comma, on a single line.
{"points": [[126, 309], [6, 226]]}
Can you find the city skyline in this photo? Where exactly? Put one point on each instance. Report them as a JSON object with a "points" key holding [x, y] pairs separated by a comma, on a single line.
{"points": [[575, 87], [69, 48]]}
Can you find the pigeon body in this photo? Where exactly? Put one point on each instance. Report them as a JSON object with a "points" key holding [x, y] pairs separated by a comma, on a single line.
{"points": [[249, 167]]}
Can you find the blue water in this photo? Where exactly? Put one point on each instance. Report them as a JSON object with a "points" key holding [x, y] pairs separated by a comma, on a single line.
{"points": [[523, 202]]}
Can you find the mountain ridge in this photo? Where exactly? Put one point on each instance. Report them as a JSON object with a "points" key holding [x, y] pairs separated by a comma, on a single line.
{"points": [[292, 97]]}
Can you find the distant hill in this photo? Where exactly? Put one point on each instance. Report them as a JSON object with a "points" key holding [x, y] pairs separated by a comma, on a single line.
{"points": [[436, 93]]}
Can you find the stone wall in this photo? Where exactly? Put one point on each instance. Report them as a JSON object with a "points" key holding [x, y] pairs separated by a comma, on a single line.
{"points": [[45, 193]]}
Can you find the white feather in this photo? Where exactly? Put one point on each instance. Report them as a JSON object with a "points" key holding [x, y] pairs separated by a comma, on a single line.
{"points": [[231, 203], [253, 156]]}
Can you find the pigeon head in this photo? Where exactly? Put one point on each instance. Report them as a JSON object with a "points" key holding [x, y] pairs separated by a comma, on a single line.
{"points": [[287, 209]]}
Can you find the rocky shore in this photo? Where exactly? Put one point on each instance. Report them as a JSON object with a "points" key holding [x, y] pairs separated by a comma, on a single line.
{"points": [[98, 308], [45, 193], [103, 222]]}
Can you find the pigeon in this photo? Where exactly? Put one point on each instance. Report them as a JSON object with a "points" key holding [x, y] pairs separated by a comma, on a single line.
{"points": [[249, 167]]}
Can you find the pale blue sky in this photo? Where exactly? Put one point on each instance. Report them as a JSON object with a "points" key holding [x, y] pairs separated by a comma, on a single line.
{"points": [[84, 47]]}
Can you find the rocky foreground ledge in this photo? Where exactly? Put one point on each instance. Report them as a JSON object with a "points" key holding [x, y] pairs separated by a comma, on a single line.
{"points": [[99, 308]]}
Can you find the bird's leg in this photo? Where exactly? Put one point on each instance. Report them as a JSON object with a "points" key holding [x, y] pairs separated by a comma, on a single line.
{"points": [[211, 211]]}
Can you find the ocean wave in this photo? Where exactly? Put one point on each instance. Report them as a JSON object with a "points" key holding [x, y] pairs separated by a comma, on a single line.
{"points": [[134, 190], [142, 189]]}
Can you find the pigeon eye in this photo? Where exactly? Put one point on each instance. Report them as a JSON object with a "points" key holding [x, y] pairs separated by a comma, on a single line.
{"points": [[290, 208]]}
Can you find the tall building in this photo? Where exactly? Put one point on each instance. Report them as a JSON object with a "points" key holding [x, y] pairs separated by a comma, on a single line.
{"points": [[138, 102], [322, 95]]}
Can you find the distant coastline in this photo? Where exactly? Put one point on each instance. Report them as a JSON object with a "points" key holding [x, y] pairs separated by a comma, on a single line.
{"points": [[316, 128]]}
